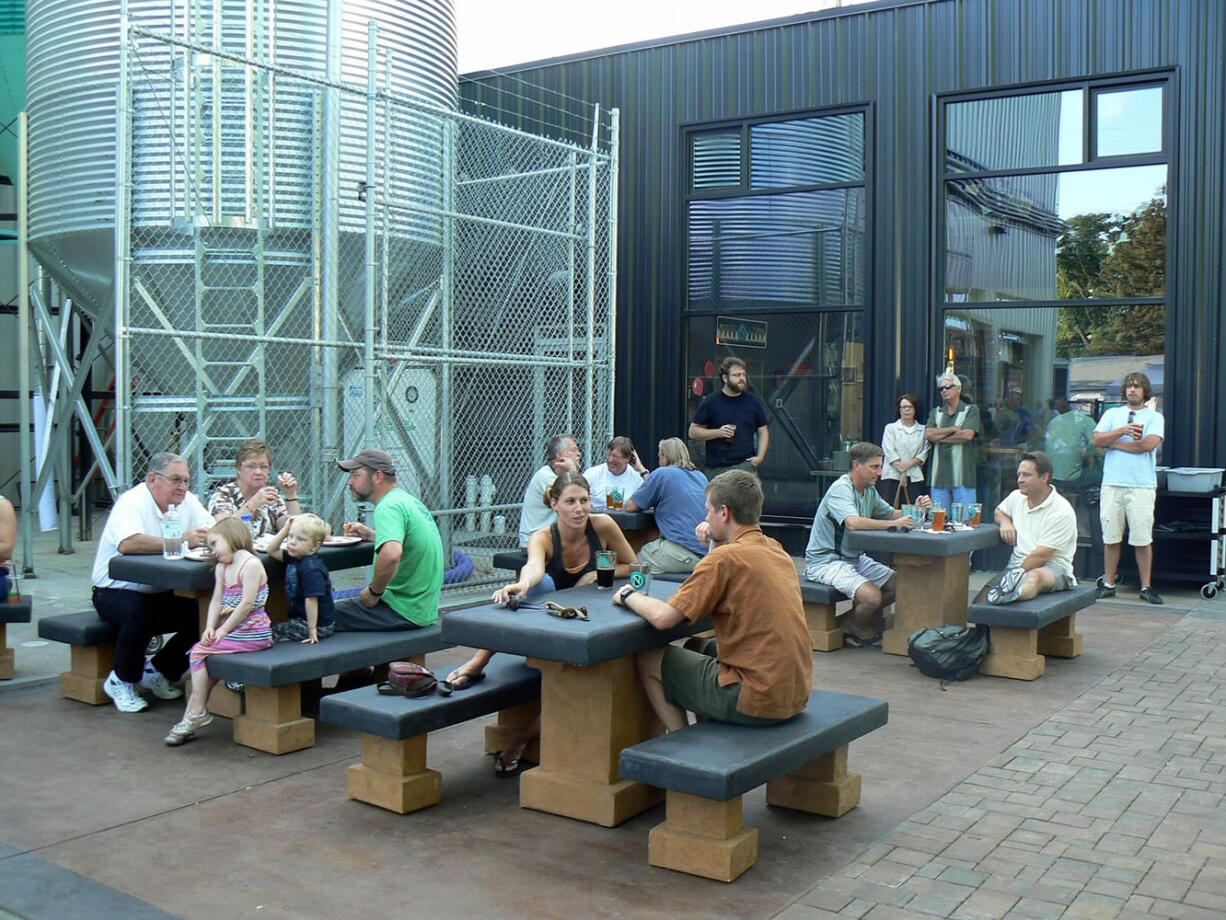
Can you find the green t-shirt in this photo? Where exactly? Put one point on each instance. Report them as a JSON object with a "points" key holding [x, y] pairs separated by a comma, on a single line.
{"points": [[414, 590]]}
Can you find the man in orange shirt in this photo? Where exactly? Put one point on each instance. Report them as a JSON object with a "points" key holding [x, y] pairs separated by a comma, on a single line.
{"points": [[759, 671]]}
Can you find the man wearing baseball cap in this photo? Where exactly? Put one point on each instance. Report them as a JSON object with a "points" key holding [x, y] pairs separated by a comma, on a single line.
{"points": [[408, 575]]}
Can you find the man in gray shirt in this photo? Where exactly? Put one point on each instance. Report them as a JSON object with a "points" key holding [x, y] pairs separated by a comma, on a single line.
{"points": [[852, 503]]}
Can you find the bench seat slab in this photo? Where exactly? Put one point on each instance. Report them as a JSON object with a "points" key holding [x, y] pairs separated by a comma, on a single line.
{"points": [[393, 775], [1013, 653], [90, 665], [703, 837], [16, 612], [273, 721], [931, 591], [588, 714], [820, 787]]}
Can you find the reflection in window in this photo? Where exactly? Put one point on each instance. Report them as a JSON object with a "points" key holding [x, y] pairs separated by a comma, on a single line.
{"points": [[796, 248], [1057, 236], [807, 151], [1027, 367], [1014, 132], [717, 160], [1128, 121], [808, 370]]}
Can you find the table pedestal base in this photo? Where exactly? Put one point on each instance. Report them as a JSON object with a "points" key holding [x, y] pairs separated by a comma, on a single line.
{"points": [[703, 837], [587, 716], [825, 635], [820, 787], [274, 722], [932, 590], [393, 775]]}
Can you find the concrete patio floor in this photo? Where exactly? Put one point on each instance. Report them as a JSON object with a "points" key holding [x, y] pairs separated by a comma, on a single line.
{"points": [[99, 819]]}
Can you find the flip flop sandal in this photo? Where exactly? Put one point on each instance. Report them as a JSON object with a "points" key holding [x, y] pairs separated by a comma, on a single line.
{"points": [[553, 608], [851, 640], [505, 769], [467, 680]]}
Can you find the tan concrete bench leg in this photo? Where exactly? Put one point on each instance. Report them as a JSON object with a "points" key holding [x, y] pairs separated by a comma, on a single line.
{"points": [[7, 657], [273, 721], [90, 666], [820, 787], [393, 775], [1014, 653], [703, 837], [825, 635], [512, 722], [1060, 639]]}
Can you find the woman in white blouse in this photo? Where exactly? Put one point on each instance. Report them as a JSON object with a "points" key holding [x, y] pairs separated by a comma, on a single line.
{"points": [[905, 452]]}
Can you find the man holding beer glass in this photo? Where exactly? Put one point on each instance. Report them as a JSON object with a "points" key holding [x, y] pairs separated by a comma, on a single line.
{"points": [[616, 479], [852, 503]]}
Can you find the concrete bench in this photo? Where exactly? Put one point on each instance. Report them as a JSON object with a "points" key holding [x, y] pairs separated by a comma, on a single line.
{"points": [[273, 719], [1022, 634], [512, 561], [93, 653], [825, 634], [19, 612], [393, 772], [707, 767]]}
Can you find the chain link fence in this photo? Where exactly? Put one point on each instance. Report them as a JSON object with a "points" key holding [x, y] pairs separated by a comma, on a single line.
{"points": [[455, 307]]}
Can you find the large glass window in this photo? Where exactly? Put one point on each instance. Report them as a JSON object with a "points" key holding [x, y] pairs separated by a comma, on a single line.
{"points": [[776, 267]]}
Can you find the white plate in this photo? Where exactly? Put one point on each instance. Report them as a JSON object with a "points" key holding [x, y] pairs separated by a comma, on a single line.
{"points": [[199, 554], [340, 540], [261, 543]]}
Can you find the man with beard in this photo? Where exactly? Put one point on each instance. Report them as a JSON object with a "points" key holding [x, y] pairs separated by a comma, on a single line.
{"points": [[1130, 434], [408, 575], [728, 420], [852, 503]]}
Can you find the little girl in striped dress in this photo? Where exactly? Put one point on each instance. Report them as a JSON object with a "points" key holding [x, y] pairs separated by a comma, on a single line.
{"points": [[239, 594]]}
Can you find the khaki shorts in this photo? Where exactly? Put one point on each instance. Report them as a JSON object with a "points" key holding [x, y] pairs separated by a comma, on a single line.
{"points": [[691, 681], [847, 578], [1122, 504]]}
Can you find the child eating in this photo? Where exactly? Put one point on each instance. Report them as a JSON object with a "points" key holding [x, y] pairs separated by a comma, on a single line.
{"points": [[307, 582]]}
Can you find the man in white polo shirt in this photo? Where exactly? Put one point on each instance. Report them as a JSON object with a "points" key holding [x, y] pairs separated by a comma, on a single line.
{"points": [[1041, 526]]}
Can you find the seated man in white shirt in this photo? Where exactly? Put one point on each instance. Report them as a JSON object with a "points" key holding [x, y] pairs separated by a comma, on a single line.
{"points": [[561, 456], [621, 473], [1041, 526], [140, 612]]}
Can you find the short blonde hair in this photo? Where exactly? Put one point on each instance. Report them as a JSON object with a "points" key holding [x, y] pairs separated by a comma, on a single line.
{"points": [[312, 526]]}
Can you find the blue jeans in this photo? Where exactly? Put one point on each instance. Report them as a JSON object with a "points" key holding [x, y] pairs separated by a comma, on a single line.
{"points": [[962, 494]]}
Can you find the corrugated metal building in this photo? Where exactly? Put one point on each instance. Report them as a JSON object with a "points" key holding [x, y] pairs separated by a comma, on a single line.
{"points": [[845, 198]]}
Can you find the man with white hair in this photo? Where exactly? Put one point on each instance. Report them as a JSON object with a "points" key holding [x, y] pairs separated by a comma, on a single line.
{"points": [[952, 428]]}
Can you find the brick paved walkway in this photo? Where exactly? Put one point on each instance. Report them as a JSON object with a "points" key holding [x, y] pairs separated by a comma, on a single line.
{"points": [[1112, 808]]}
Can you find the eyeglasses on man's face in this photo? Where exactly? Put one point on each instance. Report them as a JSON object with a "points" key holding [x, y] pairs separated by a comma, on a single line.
{"points": [[175, 480]]}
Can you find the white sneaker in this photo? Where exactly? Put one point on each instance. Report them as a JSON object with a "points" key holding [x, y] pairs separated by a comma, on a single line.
{"points": [[156, 683], [124, 694]]}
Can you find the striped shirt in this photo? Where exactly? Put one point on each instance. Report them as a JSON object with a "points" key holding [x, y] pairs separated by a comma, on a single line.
{"points": [[954, 465]]}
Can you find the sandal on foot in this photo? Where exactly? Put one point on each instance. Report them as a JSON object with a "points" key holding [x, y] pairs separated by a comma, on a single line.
{"points": [[461, 680], [851, 640], [512, 767]]}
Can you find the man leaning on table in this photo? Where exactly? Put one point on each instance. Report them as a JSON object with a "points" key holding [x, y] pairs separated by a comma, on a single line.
{"points": [[759, 668], [134, 528], [852, 503], [407, 580], [1041, 526]]}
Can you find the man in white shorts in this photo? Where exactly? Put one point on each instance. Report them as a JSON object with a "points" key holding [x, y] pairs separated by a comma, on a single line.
{"points": [[852, 503], [1130, 434], [1041, 526]]}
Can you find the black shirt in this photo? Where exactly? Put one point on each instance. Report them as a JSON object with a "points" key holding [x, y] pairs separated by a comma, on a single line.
{"points": [[555, 568], [744, 411]]}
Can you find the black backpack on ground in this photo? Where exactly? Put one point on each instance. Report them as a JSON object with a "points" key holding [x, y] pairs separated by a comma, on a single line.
{"points": [[949, 652]]}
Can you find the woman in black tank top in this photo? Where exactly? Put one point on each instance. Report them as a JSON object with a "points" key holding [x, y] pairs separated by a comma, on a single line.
{"points": [[560, 556]]}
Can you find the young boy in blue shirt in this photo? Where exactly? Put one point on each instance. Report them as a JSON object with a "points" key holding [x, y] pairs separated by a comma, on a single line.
{"points": [[307, 582]]}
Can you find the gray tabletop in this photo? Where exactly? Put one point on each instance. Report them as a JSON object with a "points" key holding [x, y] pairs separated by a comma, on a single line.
{"points": [[612, 632], [919, 543], [190, 575]]}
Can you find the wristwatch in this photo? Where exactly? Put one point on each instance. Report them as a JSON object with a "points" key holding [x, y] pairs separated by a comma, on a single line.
{"points": [[371, 589], [625, 591]]}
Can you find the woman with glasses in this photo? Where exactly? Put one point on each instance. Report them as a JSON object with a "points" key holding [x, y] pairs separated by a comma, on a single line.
{"points": [[905, 452], [251, 491]]}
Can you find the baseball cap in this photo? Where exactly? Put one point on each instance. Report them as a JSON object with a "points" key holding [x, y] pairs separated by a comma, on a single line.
{"points": [[372, 458]]}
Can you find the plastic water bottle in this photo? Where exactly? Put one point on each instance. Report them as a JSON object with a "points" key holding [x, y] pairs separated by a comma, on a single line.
{"points": [[172, 534], [249, 524]]}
